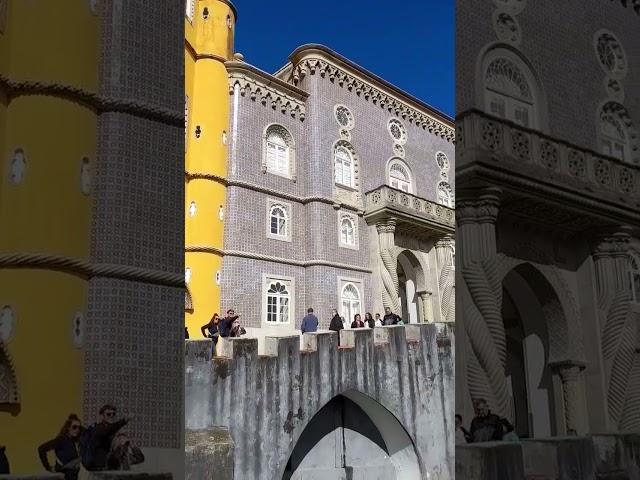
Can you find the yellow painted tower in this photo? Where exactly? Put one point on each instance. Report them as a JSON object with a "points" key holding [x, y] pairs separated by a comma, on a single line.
{"points": [[48, 58], [209, 34]]}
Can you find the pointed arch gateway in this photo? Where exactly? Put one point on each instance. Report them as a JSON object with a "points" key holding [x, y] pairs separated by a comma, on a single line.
{"points": [[355, 434]]}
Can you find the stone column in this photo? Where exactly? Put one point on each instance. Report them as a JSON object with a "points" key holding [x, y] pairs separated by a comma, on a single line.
{"points": [[476, 218], [446, 277], [617, 332], [426, 306], [389, 270], [573, 405]]}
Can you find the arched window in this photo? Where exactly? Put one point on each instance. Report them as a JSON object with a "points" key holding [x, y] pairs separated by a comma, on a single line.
{"points": [[278, 301], [618, 137], [350, 301], [509, 88], [343, 166], [278, 221], [279, 151], [399, 176], [445, 194], [347, 231], [635, 278]]}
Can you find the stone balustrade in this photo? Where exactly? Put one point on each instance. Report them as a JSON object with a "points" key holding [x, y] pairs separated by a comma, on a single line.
{"points": [[389, 201], [526, 152]]}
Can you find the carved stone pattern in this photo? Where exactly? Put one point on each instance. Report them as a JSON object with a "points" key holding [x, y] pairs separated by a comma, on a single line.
{"points": [[267, 95], [370, 93], [576, 162], [491, 135], [417, 205], [610, 54], [398, 150], [8, 382], [602, 172], [506, 27], [520, 145], [404, 200], [549, 155], [375, 197], [626, 180]]}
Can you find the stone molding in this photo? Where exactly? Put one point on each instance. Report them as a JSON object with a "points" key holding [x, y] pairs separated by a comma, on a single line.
{"points": [[269, 90], [312, 59], [270, 191], [86, 269], [100, 103], [272, 258]]}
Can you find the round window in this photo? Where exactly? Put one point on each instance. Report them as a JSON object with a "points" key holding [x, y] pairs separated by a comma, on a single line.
{"points": [[344, 117], [397, 131]]}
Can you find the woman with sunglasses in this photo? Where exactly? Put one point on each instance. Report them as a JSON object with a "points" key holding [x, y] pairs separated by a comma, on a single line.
{"points": [[65, 446]]}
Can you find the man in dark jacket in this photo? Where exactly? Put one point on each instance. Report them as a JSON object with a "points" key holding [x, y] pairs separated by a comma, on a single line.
{"points": [[225, 324], [336, 323], [102, 436], [309, 322], [390, 318], [4, 461], [485, 427]]}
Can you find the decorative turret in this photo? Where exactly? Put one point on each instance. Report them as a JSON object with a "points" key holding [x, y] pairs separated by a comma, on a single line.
{"points": [[209, 33]]}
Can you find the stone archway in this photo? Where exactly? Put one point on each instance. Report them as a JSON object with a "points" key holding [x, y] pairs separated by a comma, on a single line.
{"points": [[484, 285], [353, 436], [412, 287]]}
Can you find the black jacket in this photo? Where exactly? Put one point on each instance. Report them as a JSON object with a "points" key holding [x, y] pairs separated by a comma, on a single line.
{"points": [[486, 429], [390, 319], [356, 324], [123, 456], [4, 462], [101, 442], [66, 450], [336, 324]]}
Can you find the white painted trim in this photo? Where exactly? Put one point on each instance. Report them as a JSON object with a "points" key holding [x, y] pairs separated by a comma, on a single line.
{"points": [[292, 302]]}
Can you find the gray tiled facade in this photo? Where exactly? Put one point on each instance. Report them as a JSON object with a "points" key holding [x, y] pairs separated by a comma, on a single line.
{"points": [[314, 223]]}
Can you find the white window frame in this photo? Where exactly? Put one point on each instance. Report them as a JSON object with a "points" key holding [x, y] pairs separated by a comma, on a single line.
{"points": [[342, 216], [399, 182], [358, 284], [450, 202], [340, 172], [284, 152], [511, 104], [271, 203], [190, 9], [267, 279]]}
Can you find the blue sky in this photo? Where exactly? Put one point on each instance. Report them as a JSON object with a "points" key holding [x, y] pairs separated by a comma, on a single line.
{"points": [[411, 45]]}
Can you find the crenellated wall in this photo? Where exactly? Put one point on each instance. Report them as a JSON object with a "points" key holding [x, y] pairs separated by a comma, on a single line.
{"points": [[401, 377]]}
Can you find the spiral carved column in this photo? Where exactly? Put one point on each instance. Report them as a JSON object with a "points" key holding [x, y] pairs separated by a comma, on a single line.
{"points": [[446, 278], [389, 270], [427, 306], [618, 331]]}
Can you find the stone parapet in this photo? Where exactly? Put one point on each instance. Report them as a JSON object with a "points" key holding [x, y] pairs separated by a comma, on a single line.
{"points": [[268, 400], [209, 454]]}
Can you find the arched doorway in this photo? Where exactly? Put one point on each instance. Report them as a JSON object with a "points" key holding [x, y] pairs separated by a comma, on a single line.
{"points": [[411, 281], [353, 436], [528, 302]]}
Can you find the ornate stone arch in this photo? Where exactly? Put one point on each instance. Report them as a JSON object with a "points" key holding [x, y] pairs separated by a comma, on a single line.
{"points": [[397, 162], [510, 59], [8, 380]]}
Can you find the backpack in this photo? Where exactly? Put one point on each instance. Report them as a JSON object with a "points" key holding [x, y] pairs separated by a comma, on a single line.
{"points": [[86, 447]]}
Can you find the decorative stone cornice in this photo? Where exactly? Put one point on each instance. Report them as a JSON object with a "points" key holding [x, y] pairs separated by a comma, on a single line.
{"points": [[611, 244], [312, 59], [482, 208], [273, 258], [267, 89], [100, 103], [634, 4]]}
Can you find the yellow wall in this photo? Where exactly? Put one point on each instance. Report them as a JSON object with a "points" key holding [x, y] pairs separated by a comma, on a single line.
{"points": [[208, 43], [46, 213]]}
